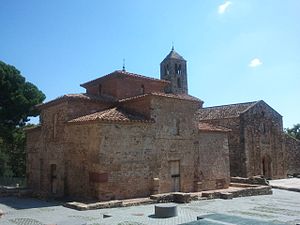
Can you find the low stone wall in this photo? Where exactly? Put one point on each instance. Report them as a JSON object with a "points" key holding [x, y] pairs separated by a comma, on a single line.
{"points": [[253, 191], [179, 197], [19, 192], [251, 180], [108, 204]]}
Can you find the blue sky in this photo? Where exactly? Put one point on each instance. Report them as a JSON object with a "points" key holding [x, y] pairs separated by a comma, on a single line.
{"points": [[237, 51]]}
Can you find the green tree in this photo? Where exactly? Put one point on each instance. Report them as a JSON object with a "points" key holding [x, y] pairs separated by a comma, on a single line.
{"points": [[17, 100], [294, 131]]}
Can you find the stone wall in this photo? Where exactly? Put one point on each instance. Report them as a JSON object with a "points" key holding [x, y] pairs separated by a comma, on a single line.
{"points": [[33, 148], [292, 148], [178, 139], [44, 149], [46, 146], [125, 86], [212, 161], [108, 161], [117, 160], [236, 148], [140, 105], [76, 108], [255, 142], [263, 142]]}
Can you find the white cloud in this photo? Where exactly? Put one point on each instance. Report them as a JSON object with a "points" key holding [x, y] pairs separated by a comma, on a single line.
{"points": [[222, 8], [255, 62]]}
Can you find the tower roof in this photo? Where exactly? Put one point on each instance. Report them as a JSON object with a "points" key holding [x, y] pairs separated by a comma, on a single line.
{"points": [[174, 55]]}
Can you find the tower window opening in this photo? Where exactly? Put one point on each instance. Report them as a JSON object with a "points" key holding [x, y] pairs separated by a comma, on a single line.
{"points": [[178, 82], [167, 70], [176, 68], [179, 69], [142, 89]]}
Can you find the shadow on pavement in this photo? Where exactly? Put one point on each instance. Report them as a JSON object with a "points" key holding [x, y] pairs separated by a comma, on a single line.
{"points": [[26, 203]]}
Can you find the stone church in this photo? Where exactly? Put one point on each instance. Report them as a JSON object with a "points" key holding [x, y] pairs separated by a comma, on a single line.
{"points": [[131, 136]]}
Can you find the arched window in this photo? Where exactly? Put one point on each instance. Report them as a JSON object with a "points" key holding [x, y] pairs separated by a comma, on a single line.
{"points": [[179, 69], [176, 68], [166, 67], [178, 82], [142, 89]]}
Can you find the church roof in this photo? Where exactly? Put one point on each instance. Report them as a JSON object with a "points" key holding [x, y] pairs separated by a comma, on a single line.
{"points": [[115, 114], [174, 55], [81, 96], [120, 73], [224, 111], [211, 128], [167, 95]]}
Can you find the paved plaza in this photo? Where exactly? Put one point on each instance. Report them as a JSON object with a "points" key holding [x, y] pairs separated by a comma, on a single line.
{"points": [[292, 184], [283, 207]]}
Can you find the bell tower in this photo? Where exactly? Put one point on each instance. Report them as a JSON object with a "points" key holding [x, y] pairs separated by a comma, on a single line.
{"points": [[173, 69]]}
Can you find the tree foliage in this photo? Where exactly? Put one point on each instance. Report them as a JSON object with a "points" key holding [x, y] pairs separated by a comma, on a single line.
{"points": [[294, 131], [17, 100]]}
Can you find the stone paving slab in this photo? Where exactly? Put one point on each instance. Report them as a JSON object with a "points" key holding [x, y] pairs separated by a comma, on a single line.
{"points": [[283, 207], [228, 220], [290, 184]]}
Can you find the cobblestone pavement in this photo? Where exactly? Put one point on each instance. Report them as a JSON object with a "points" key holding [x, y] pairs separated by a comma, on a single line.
{"points": [[283, 207]]}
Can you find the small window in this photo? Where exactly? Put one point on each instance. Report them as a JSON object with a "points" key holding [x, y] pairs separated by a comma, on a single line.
{"points": [[142, 89], [179, 69], [264, 128], [53, 171], [177, 127], [176, 68], [54, 125]]}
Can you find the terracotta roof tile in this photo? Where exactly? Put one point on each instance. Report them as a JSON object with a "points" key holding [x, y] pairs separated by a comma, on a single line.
{"points": [[114, 114], [82, 96], [122, 73], [167, 95], [211, 128], [224, 111]]}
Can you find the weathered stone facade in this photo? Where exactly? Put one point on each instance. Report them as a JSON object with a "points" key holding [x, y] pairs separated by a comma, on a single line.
{"points": [[292, 149], [132, 136], [128, 136], [256, 140]]}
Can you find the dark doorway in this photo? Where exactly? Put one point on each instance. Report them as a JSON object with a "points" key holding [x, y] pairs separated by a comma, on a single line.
{"points": [[267, 167], [53, 178], [175, 175]]}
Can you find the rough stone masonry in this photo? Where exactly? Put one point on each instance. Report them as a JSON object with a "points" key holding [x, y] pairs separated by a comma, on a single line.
{"points": [[131, 136]]}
